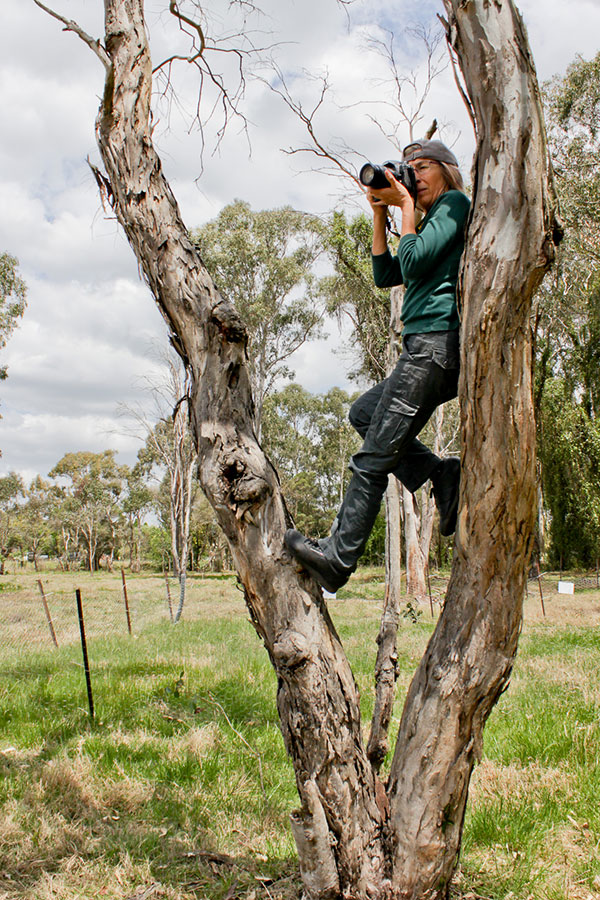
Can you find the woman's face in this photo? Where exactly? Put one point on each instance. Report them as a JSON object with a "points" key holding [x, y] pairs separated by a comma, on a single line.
{"points": [[430, 182]]}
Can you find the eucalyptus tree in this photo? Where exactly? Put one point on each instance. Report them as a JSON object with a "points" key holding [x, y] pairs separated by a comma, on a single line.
{"points": [[12, 490], [568, 323], [357, 837], [170, 454], [135, 502], [309, 440], [350, 291], [569, 442], [263, 261], [13, 300], [91, 486], [35, 518]]}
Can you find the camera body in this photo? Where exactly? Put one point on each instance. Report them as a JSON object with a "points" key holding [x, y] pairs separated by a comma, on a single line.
{"points": [[373, 176]]}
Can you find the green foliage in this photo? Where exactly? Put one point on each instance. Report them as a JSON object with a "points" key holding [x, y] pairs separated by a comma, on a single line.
{"points": [[157, 543], [374, 554], [310, 441], [86, 507], [567, 375], [13, 299], [352, 292], [263, 262], [570, 457], [11, 491]]}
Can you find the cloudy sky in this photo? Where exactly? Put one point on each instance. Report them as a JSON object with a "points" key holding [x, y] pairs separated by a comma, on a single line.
{"points": [[89, 338]]}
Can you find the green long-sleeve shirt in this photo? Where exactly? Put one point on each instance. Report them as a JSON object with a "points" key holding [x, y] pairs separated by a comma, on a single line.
{"points": [[427, 264]]}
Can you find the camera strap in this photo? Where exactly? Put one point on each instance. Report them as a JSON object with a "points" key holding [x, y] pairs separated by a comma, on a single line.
{"points": [[391, 225]]}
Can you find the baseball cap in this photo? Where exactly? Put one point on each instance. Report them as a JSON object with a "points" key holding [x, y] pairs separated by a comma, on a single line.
{"points": [[429, 150]]}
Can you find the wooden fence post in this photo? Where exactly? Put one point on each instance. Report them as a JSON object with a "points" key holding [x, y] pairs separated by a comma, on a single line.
{"points": [[126, 600], [47, 611], [541, 593]]}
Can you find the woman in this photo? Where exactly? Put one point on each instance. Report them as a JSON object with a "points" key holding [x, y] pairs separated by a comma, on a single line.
{"points": [[390, 415]]}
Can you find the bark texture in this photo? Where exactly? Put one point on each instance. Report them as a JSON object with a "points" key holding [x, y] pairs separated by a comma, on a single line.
{"points": [[386, 664], [351, 845], [511, 240]]}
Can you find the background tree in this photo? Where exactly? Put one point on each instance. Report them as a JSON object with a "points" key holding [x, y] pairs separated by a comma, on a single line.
{"points": [[13, 300], [356, 837], [209, 549], [264, 263], [570, 454], [34, 519], [350, 291], [137, 499], [94, 486], [309, 439], [568, 324], [169, 452], [11, 489]]}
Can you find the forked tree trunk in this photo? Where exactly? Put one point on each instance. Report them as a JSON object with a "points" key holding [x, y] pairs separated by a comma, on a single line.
{"points": [[353, 840]]}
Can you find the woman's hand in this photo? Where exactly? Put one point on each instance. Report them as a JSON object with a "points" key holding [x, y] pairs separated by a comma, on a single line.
{"points": [[394, 195]]}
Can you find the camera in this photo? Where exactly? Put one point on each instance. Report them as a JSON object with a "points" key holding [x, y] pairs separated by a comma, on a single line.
{"points": [[373, 176]]}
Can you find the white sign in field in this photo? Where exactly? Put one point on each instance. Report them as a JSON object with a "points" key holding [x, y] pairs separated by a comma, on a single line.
{"points": [[566, 587]]}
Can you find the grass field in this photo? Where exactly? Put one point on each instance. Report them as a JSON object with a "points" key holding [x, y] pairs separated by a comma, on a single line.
{"points": [[181, 788]]}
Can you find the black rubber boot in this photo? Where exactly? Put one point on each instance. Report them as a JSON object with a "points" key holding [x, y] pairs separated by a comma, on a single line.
{"points": [[446, 484], [309, 553]]}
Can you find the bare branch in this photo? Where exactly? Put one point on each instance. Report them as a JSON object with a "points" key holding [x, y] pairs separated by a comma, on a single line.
{"points": [[408, 114], [203, 47], [174, 10], [70, 25], [319, 149], [431, 130]]}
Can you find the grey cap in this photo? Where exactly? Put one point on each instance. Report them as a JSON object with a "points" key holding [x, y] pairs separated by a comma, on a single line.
{"points": [[429, 150]]}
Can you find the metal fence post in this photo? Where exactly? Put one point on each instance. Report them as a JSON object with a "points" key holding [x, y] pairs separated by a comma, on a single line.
{"points": [[86, 664]]}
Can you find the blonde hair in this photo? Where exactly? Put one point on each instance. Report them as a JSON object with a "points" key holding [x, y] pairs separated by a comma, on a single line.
{"points": [[452, 177]]}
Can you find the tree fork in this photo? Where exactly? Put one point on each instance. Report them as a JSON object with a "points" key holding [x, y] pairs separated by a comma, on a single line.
{"points": [[349, 846]]}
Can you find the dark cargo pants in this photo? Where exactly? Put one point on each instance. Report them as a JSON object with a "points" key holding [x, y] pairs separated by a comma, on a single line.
{"points": [[389, 417]]}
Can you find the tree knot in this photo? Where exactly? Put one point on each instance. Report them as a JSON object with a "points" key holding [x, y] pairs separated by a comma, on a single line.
{"points": [[291, 650]]}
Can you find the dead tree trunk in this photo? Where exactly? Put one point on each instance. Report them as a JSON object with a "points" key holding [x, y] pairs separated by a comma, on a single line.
{"points": [[354, 842], [416, 561]]}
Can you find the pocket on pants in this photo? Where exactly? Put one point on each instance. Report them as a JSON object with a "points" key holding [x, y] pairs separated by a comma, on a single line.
{"points": [[392, 425], [446, 359], [400, 406]]}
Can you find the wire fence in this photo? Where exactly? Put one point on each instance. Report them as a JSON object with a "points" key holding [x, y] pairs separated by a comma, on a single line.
{"points": [[39, 609]]}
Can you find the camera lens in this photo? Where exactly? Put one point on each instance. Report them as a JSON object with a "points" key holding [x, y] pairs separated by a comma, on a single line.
{"points": [[367, 174]]}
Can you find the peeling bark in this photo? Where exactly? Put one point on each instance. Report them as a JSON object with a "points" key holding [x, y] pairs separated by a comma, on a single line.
{"points": [[511, 240]]}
